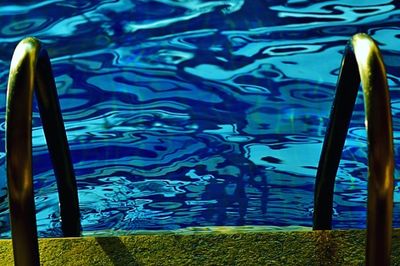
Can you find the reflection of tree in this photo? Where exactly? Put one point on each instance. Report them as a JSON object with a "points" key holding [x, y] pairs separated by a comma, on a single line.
{"points": [[232, 199]]}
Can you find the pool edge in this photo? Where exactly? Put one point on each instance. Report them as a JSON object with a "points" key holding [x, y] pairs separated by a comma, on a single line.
{"points": [[335, 247]]}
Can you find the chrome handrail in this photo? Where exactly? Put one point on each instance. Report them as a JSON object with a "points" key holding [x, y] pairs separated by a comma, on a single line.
{"points": [[31, 69], [363, 62]]}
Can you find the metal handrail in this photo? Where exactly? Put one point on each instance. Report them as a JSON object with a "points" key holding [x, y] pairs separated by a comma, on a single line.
{"points": [[31, 69], [363, 62]]}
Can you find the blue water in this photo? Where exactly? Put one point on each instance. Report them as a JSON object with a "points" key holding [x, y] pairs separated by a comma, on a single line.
{"points": [[199, 113]]}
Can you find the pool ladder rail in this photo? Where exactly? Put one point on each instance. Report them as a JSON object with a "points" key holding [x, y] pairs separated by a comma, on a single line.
{"points": [[31, 70], [362, 62]]}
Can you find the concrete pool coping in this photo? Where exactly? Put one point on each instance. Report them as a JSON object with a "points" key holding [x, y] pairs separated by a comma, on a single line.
{"points": [[205, 246]]}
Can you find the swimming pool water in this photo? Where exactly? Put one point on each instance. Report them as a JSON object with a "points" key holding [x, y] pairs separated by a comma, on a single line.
{"points": [[199, 113]]}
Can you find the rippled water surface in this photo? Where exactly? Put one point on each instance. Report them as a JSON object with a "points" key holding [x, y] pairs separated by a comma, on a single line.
{"points": [[198, 113]]}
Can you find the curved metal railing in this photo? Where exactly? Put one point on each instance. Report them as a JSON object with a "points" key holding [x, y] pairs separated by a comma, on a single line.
{"points": [[363, 62], [31, 69]]}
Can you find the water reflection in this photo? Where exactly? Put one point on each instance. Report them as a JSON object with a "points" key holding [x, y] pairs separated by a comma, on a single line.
{"points": [[184, 113]]}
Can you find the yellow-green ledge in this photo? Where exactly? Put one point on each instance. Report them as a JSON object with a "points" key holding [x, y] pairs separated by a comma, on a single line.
{"points": [[208, 246]]}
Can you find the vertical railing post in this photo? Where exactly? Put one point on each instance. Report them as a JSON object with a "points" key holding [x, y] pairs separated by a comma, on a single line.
{"points": [[363, 62], [31, 70]]}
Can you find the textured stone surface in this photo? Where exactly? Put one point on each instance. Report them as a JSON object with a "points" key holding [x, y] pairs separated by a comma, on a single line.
{"points": [[225, 247]]}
